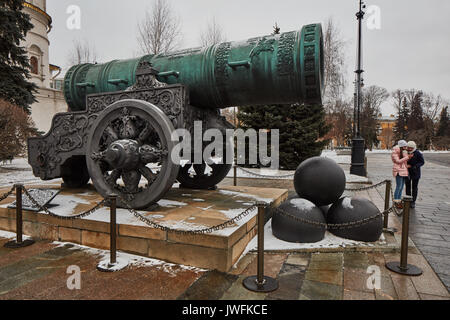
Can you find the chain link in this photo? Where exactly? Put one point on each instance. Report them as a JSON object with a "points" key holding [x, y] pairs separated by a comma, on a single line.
{"points": [[6, 195], [78, 216], [398, 213], [198, 231], [368, 188], [265, 176], [329, 226]]}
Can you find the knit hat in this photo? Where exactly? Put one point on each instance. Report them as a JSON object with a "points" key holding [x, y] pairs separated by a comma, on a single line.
{"points": [[402, 143], [412, 144]]}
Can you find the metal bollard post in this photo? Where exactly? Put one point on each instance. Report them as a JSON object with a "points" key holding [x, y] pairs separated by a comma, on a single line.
{"points": [[19, 243], [113, 264], [403, 267], [234, 175], [387, 202], [112, 224], [260, 283]]}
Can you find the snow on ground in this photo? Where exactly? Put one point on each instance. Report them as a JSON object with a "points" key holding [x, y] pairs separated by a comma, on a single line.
{"points": [[11, 235], [133, 260], [19, 171], [338, 159]]}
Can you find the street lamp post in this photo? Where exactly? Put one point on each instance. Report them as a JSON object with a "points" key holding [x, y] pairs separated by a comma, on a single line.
{"points": [[358, 146]]}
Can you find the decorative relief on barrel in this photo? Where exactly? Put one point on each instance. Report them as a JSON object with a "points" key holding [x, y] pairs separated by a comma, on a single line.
{"points": [[221, 70], [264, 44], [310, 60], [285, 55]]}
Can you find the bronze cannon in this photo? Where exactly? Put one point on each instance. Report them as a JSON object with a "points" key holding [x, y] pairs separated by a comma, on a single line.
{"points": [[122, 114]]}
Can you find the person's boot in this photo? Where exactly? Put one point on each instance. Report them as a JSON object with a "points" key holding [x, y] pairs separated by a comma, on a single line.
{"points": [[413, 205]]}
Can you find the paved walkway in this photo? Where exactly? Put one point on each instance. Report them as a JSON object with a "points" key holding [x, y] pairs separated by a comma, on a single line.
{"points": [[40, 272], [430, 221]]}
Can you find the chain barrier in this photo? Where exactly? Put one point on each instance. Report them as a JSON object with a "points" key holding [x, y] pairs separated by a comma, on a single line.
{"points": [[198, 231], [78, 216], [368, 188], [329, 226], [266, 176], [6, 195]]}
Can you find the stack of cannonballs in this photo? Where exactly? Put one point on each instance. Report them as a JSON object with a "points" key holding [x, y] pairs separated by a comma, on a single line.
{"points": [[320, 183]]}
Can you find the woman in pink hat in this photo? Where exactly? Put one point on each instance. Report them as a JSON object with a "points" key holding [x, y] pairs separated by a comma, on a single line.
{"points": [[400, 159]]}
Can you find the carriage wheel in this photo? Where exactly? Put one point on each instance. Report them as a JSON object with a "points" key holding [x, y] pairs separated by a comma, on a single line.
{"points": [[128, 153]]}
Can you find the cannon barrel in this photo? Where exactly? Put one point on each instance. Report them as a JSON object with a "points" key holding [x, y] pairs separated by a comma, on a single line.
{"points": [[276, 69]]}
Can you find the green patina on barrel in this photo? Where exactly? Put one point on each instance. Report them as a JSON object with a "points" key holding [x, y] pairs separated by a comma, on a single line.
{"points": [[276, 69]]}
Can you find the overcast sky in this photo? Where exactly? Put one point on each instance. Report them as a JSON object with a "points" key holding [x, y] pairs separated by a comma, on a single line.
{"points": [[411, 50]]}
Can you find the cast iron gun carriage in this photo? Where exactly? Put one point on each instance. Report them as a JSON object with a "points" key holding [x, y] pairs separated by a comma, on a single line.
{"points": [[122, 114]]}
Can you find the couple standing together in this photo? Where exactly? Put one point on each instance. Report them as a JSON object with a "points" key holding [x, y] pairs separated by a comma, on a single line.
{"points": [[407, 161]]}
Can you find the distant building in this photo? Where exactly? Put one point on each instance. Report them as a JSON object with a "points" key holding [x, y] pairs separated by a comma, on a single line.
{"points": [[386, 132], [50, 98]]}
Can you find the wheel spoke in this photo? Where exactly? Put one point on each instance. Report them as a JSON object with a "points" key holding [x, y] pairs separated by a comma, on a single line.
{"points": [[131, 180], [111, 179], [148, 174], [151, 154]]}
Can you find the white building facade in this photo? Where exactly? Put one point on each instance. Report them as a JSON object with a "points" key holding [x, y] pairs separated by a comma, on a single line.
{"points": [[49, 100]]}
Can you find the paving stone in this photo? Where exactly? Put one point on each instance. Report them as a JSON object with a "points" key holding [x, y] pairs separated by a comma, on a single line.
{"points": [[424, 296], [272, 265], [289, 284], [298, 259], [326, 276], [211, 286], [356, 260], [426, 236], [432, 243], [237, 291], [321, 291], [326, 261], [404, 287], [358, 295], [288, 269]]}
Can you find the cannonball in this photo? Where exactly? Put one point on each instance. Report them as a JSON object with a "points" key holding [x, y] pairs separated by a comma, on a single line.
{"points": [[319, 180], [355, 209], [288, 229], [324, 210]]}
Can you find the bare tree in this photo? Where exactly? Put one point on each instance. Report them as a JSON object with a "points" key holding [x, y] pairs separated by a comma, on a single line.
{"points": [[334, 64], [337, 107], [213, 34], [82, 52], [160, 30]]}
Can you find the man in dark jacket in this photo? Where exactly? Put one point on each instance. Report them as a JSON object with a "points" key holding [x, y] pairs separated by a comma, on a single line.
{"points": [[414, 165]]}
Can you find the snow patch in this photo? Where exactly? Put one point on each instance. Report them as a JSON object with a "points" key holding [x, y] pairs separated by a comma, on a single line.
{"points": [[303, 204], [347, 203], [171, 203], [133, 260]]}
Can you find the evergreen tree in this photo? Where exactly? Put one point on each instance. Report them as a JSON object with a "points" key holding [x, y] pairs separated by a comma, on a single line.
{"points": [[400, 128], [14, 62], [444, 125], [415, 120], [302, 129]]}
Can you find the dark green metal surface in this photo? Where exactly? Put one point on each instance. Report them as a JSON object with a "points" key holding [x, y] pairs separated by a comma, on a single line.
{"points": [[275, 69]]}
